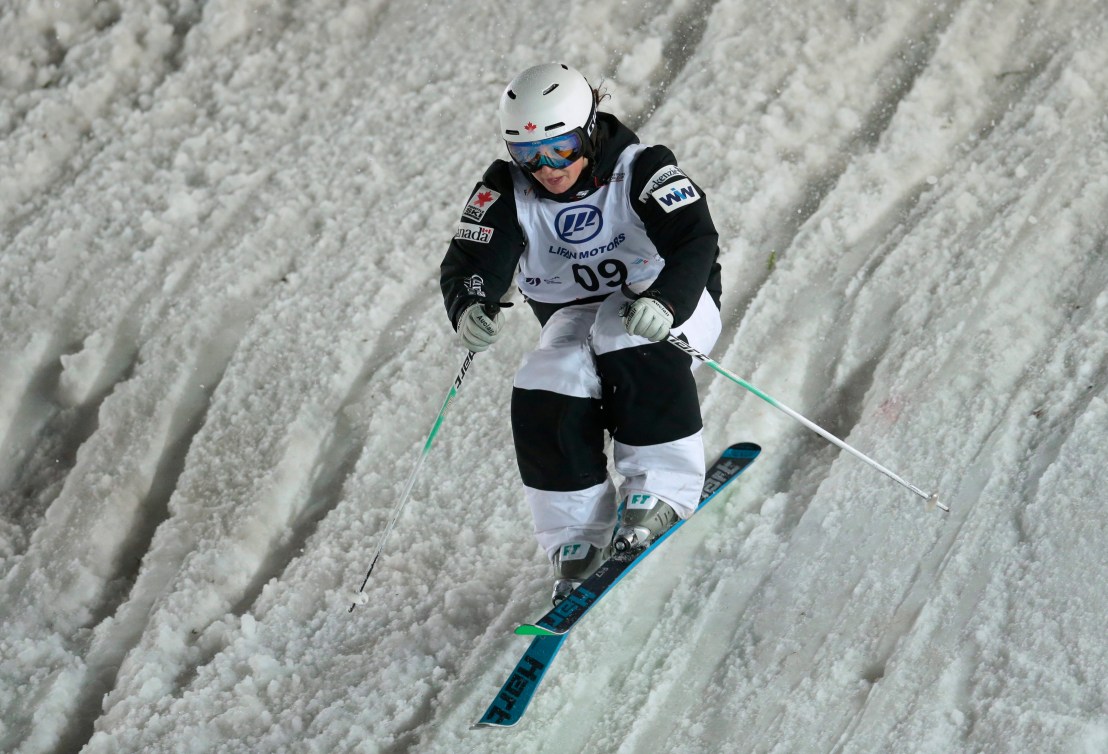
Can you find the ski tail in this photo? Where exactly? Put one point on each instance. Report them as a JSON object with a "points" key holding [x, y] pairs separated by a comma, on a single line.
{"points": [[731, 463]]}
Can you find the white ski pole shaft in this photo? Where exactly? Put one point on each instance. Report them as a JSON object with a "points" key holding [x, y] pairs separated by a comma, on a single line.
{"points": [[932, 499], [359, 599]]}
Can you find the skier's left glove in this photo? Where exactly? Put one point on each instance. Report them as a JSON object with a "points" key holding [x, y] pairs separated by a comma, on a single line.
{"points": [[478, 329], [648, 318]]}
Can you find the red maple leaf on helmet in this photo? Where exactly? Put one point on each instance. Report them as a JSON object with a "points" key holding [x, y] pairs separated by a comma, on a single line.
{"points": [[530, 126], [483, 198]]}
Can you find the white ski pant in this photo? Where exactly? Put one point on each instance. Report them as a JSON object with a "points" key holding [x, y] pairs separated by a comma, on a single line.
{"points": [[588, 376]]}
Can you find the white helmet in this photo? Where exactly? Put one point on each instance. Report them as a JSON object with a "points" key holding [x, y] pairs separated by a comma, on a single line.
{"points": [[545, 101]]}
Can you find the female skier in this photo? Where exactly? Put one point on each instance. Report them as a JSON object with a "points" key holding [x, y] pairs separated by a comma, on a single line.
{"points": [[580, 215]]}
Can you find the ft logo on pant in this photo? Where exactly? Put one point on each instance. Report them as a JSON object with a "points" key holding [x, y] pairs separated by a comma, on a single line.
{"points": [[572, 551]]}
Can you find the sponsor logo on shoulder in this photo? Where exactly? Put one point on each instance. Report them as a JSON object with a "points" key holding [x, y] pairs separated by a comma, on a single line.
{"points": [[676, 195], [666, 173], [479, 203], [471, 232]]}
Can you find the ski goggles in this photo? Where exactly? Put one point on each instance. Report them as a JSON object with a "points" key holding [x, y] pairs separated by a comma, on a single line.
{"points": [[558, 152]]}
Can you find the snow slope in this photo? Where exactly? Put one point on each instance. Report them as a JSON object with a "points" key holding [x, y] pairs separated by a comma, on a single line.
{"points": [[223, 347]]}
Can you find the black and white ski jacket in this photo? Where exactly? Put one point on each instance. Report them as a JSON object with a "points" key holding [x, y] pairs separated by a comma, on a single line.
{"points": [[633, 217]]}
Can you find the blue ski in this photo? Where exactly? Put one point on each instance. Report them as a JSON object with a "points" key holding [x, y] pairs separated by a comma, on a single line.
{"points": [[551, 630], [510, 704], [564, 616]]}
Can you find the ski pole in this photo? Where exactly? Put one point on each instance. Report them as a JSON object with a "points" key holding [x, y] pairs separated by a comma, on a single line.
{"points": [[360, 597], [932, 499]]}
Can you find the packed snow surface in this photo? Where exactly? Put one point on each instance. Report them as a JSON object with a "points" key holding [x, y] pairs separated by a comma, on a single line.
{"points": [[223, 348]]}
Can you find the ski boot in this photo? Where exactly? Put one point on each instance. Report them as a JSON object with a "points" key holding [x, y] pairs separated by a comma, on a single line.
{"points": [[573, 563], [645, 518]]}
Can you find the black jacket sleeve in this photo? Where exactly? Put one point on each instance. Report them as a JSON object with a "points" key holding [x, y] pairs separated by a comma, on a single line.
{"points": [[678, 223], [482, 258]]}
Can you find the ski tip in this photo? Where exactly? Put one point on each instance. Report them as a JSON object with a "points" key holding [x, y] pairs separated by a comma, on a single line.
{"points": [[496, 719], [530, 629]]}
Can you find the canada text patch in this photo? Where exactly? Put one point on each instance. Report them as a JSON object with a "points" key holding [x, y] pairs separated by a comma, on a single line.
{"points": [[471, 232]]}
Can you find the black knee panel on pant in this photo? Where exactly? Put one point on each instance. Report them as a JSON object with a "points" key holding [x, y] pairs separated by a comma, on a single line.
{"points": [[649, 394], [559, 440]]}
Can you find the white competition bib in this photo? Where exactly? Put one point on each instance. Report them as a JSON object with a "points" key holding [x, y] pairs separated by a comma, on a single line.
{"points": [[586, 248]]}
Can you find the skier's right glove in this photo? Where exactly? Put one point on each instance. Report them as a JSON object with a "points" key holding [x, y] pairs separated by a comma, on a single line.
{"points": [[478, 329], [647, 317]]}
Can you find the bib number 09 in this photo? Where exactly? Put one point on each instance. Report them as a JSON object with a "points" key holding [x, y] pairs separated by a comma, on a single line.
{"points": [[613, 271]]}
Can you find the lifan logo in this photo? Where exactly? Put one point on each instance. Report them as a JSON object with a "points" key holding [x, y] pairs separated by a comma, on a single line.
{"points": [[579, 224]]}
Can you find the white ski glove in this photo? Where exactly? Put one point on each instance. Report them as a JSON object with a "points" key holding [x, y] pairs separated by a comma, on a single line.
{"points": [[648, 318], [477, 330]]}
